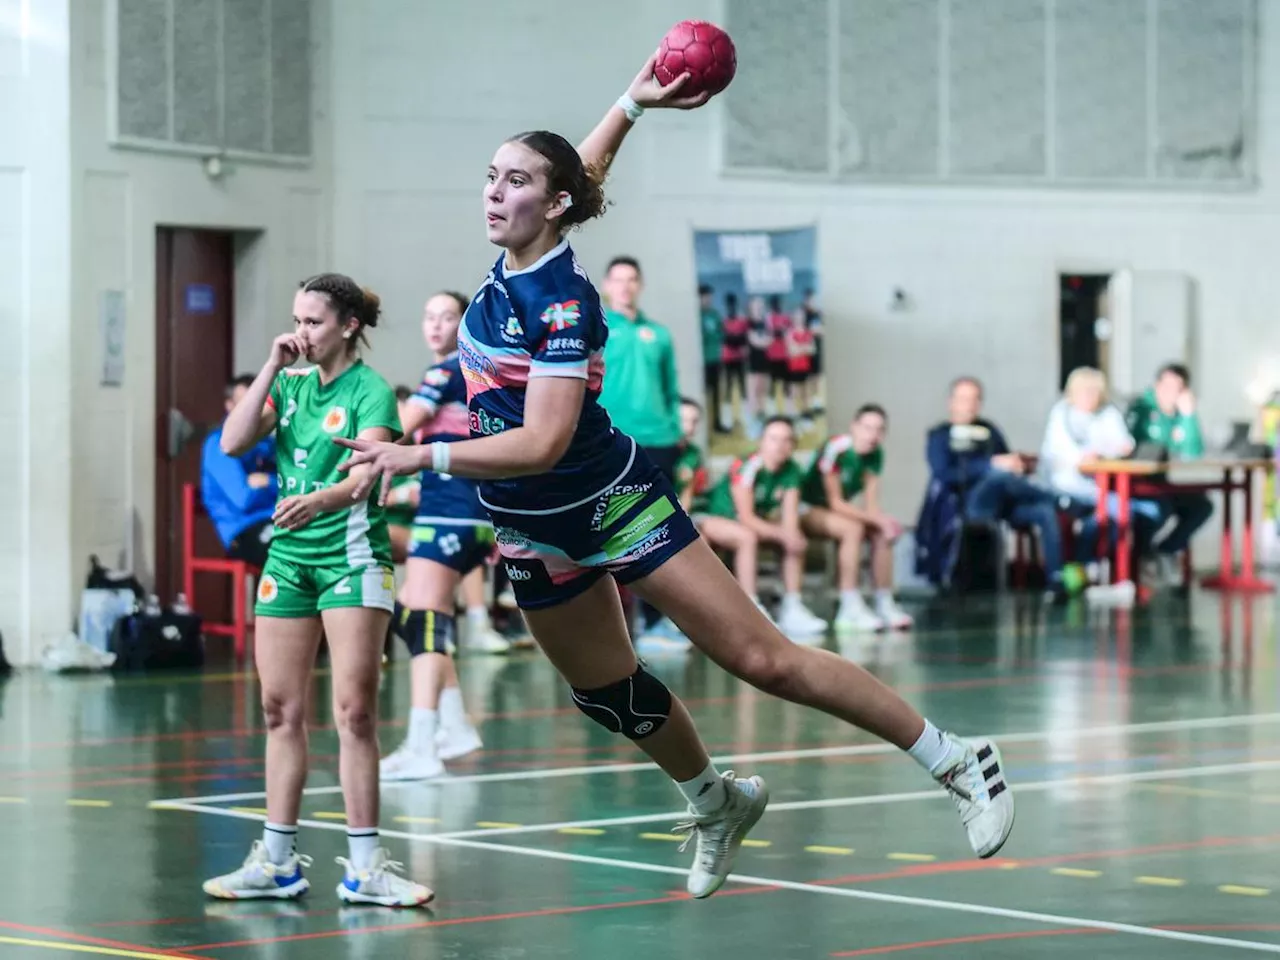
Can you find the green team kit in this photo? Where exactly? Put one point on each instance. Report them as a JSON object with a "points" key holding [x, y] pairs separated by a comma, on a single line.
{"points": [[839, 456], [342, 558], [767, 488]]}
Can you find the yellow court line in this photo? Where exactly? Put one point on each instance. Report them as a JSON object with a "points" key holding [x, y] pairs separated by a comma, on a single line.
{"points": [[581, 831], [88, 803], [416, 820], [835, 851], [913, 857], [13, 799], [1161, 881], [1073, 872], [1244, 891], [757, 843], [84, 948], [669, 837], [496, 825], [260, 810], [329, 815]]}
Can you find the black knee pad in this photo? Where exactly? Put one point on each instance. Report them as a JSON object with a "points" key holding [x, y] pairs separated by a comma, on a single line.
{"points": [[426, 631], [636, 707]]}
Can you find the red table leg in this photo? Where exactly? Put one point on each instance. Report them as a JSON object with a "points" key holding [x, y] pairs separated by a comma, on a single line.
{"points": [[1248, 580], [1100, 512], [1123, 557]]}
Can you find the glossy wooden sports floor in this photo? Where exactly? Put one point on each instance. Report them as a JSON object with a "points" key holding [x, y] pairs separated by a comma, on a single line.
{"points": [[1144, 750]]}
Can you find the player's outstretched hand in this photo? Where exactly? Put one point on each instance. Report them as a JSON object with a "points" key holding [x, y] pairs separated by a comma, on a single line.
{"points": [[385, 460], [647, 92]]}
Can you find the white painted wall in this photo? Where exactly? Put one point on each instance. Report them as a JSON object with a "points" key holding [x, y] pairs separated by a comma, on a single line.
{"points": [[118, 199], [423, 93], [35, 277]]}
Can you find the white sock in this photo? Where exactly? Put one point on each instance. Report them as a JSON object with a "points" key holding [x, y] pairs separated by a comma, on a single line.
{"points": [[422, 730], [362, 845], [280, 841], [705, 792], [478, 616], [884, 598], [852, 598], [452, 713], [791, 601], [933, 749]]}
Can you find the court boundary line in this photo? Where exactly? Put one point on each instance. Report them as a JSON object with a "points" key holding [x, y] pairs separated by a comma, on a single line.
{"points": [[864, 749], [1007, 913]]}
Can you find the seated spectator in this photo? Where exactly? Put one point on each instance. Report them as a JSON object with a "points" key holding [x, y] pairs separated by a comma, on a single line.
{"points": [[975, 478], [239, 493], [848, 467], [762, 493], [1082, 428], [1165, 415]]}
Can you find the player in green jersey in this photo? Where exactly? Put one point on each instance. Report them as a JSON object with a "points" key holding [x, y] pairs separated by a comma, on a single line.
{"points": [[762, 493], [328, 569], [848, 467]]}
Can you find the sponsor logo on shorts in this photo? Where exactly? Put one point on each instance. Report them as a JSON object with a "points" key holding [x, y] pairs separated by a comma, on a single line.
{"points": [[616, 502], [518, 576], [334, 420], [268, 589], [511, 537]]}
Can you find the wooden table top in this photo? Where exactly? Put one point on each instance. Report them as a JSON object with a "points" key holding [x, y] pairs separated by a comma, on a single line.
{"points": [[1149, 467]]}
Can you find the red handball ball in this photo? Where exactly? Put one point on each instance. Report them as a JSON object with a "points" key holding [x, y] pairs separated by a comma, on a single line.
{"points": [[702, 50]]}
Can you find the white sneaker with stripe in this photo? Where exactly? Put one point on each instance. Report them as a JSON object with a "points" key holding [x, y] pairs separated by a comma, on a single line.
{"points": [[977, 784]]}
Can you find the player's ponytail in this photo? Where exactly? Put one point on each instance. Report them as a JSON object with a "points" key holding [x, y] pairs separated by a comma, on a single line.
{"points": [[567, 174], [348, 299]]}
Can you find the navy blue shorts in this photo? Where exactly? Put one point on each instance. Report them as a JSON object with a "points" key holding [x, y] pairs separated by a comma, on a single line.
{"points": [[628, 530], [460, 545]]}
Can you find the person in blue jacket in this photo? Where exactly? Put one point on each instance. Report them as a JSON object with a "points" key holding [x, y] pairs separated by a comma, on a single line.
{"points": [[975, 477], [239, 493]]}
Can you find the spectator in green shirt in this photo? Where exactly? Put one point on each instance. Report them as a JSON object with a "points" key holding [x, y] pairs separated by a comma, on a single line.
{"points": [[712, 345], [641, 392], [762, 492], [1166, 415], [848, 467]]}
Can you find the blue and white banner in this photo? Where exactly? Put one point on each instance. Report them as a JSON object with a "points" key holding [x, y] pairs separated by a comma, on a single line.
{"points": [[761, 334]]}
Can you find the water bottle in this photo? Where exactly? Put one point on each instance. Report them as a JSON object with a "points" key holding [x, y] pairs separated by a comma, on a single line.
{"points": [[180, 606]]}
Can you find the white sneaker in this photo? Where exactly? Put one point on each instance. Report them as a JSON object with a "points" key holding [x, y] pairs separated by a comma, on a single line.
{"points": [[380, 884], [409, 764], [664, 637], [457, 742], [506, 599], [795, 619], [854, 616], [480, 637], [978, 787], [893, 616], [260, 879], [720, 834]]}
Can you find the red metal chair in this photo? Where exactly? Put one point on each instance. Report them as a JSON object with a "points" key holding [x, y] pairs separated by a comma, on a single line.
{"points": [[238, 570]]}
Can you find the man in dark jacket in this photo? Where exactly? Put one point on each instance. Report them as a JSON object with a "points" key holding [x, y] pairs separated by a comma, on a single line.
{"points": [[974, 478]]}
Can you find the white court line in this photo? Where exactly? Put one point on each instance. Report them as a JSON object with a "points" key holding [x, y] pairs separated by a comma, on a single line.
{"points": [[549, 773], [954, 906]]}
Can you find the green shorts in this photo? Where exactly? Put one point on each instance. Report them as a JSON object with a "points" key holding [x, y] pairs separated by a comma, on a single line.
{"points": [[295, 591]]}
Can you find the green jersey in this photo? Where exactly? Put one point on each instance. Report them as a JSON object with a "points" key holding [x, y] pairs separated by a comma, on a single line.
{"points": [[641, 392], [712, 335], [691, 472], [309, 415], [839, 457], [766, 486], [1179, 434]]}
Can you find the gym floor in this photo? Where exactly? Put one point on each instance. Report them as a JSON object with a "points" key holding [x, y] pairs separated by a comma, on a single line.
{"points": [[1143, 747]]}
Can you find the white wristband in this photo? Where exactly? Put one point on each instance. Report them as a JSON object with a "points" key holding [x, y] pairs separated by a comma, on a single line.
{"points": [[440, 457], [628, 106]]}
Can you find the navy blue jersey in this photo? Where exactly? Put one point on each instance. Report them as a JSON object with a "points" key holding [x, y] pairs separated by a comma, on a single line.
{"points": [[443, 392], [542, 321]]}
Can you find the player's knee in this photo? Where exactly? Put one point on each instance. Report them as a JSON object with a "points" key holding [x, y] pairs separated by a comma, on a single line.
{"points": [[354, 717], [427, 631], [763, 665], [798, 548], [282, 713], [635, 707]]}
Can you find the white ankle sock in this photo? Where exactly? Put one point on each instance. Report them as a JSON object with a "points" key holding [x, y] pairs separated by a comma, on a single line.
{"points": [[422, 730], [362, 845], [933, 749], [478, 616], [791, 601], [884, 598], [280, 841], [705, 792], [452, 712]]}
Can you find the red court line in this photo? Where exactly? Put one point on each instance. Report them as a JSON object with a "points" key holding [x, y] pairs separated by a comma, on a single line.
{"points": [[95, 941], [958, 941]]}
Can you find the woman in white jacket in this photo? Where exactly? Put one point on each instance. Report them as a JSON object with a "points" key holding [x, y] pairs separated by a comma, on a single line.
{"points": [[1083, 428]]}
